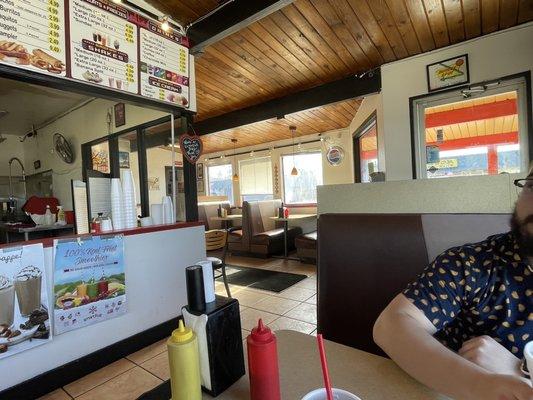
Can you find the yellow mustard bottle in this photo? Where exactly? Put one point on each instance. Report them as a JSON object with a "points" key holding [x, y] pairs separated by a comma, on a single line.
{"points": [[184, 364]]}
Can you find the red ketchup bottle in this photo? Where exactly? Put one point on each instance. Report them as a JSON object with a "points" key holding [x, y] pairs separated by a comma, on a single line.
{"points": [[263, 364]]}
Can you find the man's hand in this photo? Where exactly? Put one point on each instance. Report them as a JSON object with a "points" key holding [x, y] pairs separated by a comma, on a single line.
{"points": [[502, 387], [487, 353]]}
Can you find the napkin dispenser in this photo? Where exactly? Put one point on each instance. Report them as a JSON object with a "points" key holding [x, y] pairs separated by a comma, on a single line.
{"points": [[218, 328]]}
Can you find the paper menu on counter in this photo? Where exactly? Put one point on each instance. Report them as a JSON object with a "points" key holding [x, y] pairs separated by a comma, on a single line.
{"points": [[103, 43], [32, 35], [164, 65]]}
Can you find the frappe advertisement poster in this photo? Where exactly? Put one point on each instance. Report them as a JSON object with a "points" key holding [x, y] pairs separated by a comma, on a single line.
{"points": [[24, 321], [89, 281]]}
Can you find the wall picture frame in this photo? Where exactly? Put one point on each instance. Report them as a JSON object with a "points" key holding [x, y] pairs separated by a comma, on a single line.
{"points": [[448, 73], [124, 159], [200, 186], [199, 171]]}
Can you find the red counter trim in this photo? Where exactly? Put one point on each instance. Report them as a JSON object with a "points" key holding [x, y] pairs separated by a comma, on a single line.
{"points": [[49, 242]]}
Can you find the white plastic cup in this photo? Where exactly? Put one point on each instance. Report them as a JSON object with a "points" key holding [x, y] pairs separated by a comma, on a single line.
{"points": [[528, 353], [107, 225], [157, 214], [338, 394], [146, 221]]}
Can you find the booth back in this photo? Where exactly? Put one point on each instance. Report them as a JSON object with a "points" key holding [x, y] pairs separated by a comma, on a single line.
{"points": [[365, 260]]}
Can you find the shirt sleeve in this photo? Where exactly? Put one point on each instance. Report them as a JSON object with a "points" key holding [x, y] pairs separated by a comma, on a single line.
{"points": [[439, 291]]}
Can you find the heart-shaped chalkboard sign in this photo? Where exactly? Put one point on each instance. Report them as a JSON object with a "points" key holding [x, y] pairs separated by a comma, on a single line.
{"points": [[191, 147]]}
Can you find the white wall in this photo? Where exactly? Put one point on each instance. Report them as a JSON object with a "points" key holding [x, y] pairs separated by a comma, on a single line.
{"points": [[490, 57], [152, 260], [11, 147], [83, 125]]}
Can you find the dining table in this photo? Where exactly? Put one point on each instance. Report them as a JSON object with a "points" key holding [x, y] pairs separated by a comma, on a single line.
{"points": [[368, 376], [286, 220]]}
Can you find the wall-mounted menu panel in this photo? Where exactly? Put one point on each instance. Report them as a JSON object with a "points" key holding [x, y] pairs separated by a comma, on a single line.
{"points": [[164, 64], [32, 35], [103, 42]]}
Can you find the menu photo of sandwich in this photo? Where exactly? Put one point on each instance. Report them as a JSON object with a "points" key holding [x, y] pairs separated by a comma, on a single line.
{"points": [[16, 53]]}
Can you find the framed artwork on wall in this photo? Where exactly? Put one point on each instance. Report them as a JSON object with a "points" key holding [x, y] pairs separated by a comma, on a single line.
{"points": [[200, 186], [199, 171], [448, 73]]}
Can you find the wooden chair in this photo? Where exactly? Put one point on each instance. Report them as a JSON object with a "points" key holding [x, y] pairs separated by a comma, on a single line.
{"points": [[216, 239]]}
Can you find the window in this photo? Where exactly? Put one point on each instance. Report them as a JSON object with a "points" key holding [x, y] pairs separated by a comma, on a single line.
{"points": [[220, 180], [256, 179], [481, 130], [365, 146], [301, 188]]}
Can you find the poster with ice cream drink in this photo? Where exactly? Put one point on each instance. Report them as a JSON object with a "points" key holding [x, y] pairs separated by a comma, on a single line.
{"points": [[89, 281], [24, 317]]}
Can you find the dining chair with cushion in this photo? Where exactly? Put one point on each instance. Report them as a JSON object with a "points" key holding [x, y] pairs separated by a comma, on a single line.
{"points": [[215, 240]]}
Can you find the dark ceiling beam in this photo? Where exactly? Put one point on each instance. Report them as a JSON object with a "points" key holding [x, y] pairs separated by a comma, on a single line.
{"points": [[229, 19], [333, 92]]}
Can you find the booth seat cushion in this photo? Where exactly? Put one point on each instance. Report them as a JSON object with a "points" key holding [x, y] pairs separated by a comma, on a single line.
{"points": [[267, 236], [235, 236], [306, 241]]}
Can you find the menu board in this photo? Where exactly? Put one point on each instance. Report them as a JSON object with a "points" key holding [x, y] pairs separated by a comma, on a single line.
{"points": [[32, 35], [164, 65], [97, 42], [103, 42]]}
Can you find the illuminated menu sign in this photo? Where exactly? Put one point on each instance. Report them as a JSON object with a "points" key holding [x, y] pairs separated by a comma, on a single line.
{"points": [[164, 65], [96, 42], [32, 35], [103, 45]]}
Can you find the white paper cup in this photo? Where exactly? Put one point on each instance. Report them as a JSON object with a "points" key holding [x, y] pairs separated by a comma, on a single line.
{"points": [[528, 353], [338, 394], [157, 214], [107, 225], [146, 221]]}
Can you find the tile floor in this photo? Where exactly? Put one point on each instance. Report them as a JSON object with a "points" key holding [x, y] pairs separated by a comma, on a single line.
{"points": [[128, 378]]}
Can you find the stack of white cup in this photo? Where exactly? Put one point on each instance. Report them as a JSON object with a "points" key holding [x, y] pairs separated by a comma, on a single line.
{"points": [[168, 210], [129, 201], [117, 210]]}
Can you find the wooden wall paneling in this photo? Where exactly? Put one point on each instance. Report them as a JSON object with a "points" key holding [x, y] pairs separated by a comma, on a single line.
{"points": [[453, 11], [343, 33], [381, 21], [276, 60], [321, 71], [525, 11], [421, 24], [472, 17], [330, 63], [271, 40], [322, 31], [490, 14], [346, 13], [303, 29], [508, 13], [437, 22], [403, 22]]}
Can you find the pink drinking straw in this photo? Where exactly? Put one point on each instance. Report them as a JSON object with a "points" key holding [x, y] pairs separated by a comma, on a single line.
{"points": [[324, 362]]}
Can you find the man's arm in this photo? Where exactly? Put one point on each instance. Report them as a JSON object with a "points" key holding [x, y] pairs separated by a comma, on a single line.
{"points": [[406, 335]]}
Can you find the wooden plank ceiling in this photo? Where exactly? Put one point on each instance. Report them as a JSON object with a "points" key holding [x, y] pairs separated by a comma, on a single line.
{"points": [[312, 42]]}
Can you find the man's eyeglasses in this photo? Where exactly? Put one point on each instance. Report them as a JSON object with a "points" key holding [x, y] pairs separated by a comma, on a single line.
{"points": [[525, 184]]}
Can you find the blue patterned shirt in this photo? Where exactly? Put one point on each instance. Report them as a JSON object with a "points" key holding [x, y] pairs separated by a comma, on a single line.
{"points": [[478, 289]]}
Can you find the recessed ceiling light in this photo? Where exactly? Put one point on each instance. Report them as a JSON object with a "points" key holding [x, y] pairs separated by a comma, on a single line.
{"points": [[164, 24]]}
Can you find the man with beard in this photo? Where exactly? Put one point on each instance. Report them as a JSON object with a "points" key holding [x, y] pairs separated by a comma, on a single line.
{"points": [[461, 327]]}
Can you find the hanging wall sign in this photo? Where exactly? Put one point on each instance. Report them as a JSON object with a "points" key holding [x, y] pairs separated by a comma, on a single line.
{"points": [[335, 155], [23, 300], [89, 281], [448, 73], [32, 35], [191, 147]]}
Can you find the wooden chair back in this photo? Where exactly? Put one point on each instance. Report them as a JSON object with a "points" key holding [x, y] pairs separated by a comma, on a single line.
{"points": [[215, 239]]}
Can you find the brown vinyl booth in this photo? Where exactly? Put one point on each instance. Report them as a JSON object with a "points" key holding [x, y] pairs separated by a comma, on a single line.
{"points": [[365, 260], [260, 235]]}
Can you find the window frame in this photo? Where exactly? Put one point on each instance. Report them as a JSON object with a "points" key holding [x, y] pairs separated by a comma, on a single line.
{"points": [[231, 198], [446, 96], [282, 156], [356, 138], [241, 194]]}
